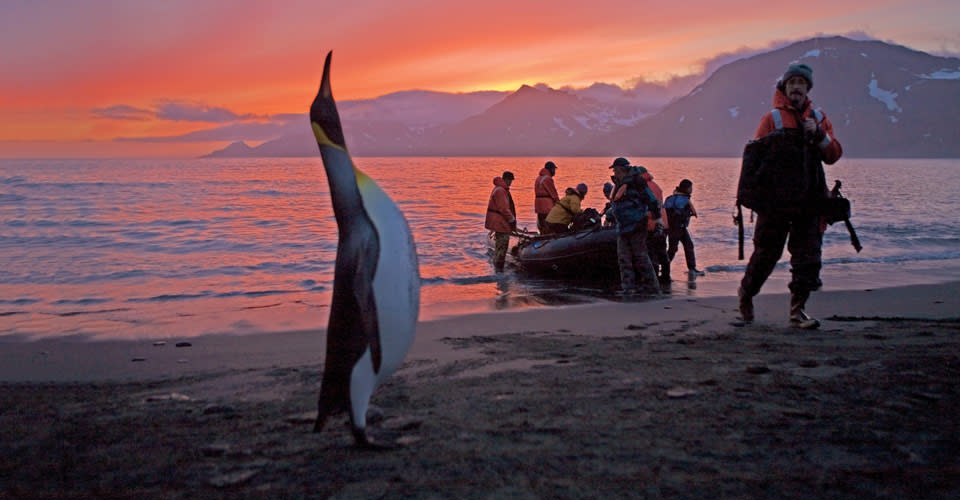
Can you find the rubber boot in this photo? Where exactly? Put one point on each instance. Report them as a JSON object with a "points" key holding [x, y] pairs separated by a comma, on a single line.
{"points": [[799, 318], [665, 274], [746, 305]]}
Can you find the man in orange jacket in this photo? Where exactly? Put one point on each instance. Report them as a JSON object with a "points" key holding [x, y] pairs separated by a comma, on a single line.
{"points": [[800, 225], [501, 218], [545, 194]]}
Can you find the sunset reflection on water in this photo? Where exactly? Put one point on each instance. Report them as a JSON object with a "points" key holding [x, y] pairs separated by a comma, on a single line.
{"points": [[137, 249]]}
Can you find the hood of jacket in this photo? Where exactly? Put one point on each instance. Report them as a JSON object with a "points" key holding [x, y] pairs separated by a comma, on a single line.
{"points": [[498, 181], [544, 171], [781, 101]]}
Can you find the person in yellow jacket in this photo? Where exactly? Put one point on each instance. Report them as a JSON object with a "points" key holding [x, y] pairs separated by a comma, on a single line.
{"points": [[563, 212]]}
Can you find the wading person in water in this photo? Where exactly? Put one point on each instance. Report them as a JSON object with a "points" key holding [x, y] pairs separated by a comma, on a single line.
{"points": [[794, 217], [501, 218], [679, 209]]}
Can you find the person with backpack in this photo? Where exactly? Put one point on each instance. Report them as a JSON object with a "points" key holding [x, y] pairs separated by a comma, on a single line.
{"points": [[633, 204], [792, 143], [545, 194], [679, 209], [564, 211]]}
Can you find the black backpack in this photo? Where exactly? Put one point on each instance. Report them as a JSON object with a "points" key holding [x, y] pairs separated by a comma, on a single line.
{"points": [[584, 220], [781, 172]]}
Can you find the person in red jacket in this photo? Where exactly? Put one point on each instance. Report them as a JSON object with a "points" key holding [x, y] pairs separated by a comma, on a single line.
{"points": [[545, 194], [501, 218], [657, 236], [800, 226]]}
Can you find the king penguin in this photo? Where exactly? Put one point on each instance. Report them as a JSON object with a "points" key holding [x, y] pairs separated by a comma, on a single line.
{"points": [[376, 283]]}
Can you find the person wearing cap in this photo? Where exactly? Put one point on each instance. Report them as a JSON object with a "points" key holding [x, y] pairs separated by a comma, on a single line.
{"points": [[563, 212], [501, 218], [633, 204], [545, 194], [799, 225], [679, 209]]}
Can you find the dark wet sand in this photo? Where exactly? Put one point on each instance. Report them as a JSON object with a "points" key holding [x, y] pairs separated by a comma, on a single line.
{"points": [[656, 400]]}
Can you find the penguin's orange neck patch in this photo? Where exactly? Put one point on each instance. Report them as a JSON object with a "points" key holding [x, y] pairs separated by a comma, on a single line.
{"points": [[322, 138], [362, 178]]}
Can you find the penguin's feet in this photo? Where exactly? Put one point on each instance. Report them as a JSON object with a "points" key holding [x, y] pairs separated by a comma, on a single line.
{"points": [[383, 442]]}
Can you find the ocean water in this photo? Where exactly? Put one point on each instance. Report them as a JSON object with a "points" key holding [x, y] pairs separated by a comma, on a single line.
{"points": [[133, 249]]}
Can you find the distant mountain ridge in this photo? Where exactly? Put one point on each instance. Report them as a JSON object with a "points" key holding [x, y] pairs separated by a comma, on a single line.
{"points": [[884, 101]]}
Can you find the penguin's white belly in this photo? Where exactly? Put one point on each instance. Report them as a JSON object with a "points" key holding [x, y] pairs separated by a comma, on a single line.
{"points": [[396, 283]]}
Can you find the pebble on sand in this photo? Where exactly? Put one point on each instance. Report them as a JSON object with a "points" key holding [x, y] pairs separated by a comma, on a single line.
{"points": [[681, 392]]}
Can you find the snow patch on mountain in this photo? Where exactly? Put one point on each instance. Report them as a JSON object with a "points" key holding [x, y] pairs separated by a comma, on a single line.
{"points": [[887, 97], [734, 111], [943, 74], [559, 122], [630, 120], [813, 53]]}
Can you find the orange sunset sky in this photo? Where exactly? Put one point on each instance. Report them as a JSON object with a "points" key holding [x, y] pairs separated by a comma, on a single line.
{"points": [[93, 78]]}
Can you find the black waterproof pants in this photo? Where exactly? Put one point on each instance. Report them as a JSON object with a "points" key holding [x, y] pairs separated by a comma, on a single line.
{"points": [[803, 238], [541, 222], [682, 236]]}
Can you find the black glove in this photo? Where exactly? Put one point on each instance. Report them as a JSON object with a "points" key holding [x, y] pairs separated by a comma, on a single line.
{"points": [[819, 135]]}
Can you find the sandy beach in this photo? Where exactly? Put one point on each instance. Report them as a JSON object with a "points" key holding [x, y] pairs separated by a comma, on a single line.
{"points": [[655, 399]]}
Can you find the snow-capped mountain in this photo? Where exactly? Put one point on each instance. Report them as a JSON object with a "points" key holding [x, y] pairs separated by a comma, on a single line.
{"points": [[532, 120], [884, 100]]}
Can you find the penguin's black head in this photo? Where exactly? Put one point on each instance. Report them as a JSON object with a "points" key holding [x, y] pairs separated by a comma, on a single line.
{"points": [[323, 111]]}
